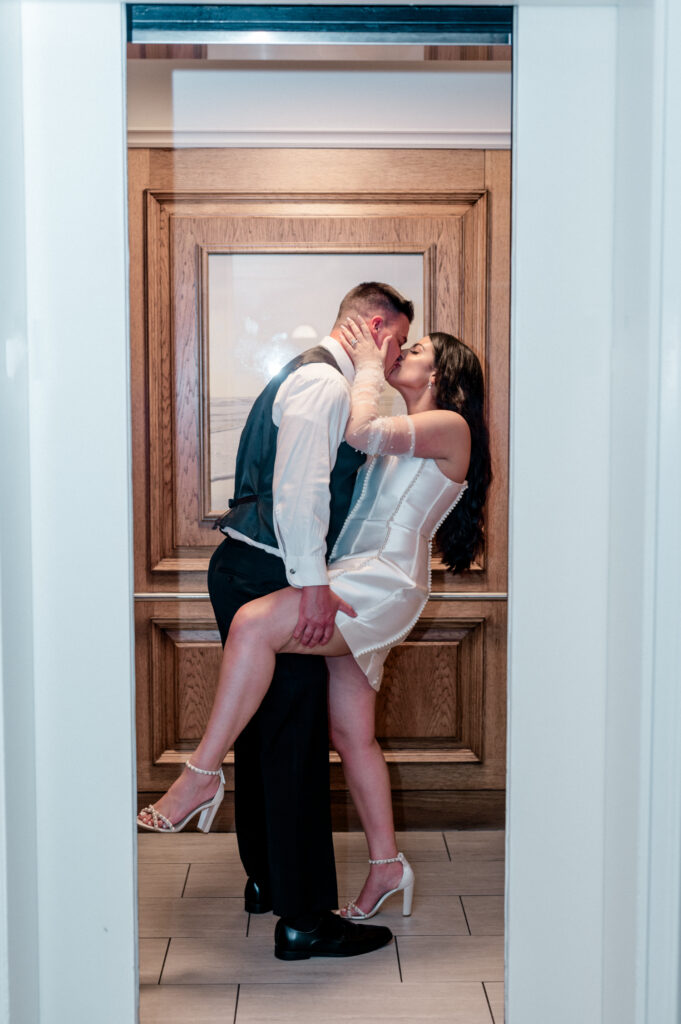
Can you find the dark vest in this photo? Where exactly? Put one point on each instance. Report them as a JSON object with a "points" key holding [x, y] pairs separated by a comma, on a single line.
{"points": [[250, 510]]}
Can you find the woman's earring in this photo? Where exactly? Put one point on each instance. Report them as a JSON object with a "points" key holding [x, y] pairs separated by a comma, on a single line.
{"points": [[430, 384]]}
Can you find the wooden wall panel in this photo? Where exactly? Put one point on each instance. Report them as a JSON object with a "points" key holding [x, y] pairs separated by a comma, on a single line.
{"points": [[492, 54], [399, 714], [450, 230], [441, 712], [179, 51], [195, 671], [161, 51], [178, 654]]}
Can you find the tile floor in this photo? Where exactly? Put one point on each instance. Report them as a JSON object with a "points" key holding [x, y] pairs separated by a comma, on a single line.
{"points": [[203, 960]]}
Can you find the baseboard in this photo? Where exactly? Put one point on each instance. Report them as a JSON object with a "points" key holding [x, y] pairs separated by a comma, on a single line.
{"points": [[415, 810]]}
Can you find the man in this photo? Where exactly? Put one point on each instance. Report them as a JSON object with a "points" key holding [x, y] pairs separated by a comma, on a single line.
{"points": [[293, 486]]}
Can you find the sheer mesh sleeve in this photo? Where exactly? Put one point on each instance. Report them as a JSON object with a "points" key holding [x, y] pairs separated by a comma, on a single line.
{"points": [[369, 432]]}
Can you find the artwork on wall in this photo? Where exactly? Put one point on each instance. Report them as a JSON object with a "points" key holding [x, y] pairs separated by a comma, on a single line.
{"points": [[265, 308]]}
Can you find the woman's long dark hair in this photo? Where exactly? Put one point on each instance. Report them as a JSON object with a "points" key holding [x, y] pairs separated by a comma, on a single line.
{"points": [[460, 387]]}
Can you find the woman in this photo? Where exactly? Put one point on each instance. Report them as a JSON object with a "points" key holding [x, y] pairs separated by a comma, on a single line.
{"points": [[429, 475]]}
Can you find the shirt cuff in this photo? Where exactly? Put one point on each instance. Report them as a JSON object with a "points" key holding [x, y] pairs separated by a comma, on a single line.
{"points": [[306, 571]]}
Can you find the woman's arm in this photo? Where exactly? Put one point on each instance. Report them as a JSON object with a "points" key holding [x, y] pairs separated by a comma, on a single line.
{"points": [[435, 434], [368, 431]]}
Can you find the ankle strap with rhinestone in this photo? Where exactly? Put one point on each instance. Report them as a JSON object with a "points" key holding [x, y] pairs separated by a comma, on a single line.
{"points": [[202, 771], [388, 860]]}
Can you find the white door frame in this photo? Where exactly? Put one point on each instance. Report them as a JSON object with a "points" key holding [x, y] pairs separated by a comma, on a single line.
{"points": [[594, 764]]}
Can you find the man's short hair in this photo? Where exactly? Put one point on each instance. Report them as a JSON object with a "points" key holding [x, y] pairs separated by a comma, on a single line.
{"points": [[373, 297]]}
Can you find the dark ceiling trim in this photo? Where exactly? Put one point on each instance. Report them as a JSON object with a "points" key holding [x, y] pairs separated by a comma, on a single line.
{"points": [[316, 23]]}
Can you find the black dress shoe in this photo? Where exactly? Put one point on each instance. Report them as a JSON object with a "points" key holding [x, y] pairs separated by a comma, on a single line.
{"points": [[257, 897], [333, 936]]}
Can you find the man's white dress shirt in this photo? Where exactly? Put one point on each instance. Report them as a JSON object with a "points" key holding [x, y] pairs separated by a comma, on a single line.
{"points": [[311, 410]]}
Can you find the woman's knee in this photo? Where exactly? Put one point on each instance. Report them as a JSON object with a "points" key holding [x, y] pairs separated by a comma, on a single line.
{"points": [[245, 626], [347, 740]]}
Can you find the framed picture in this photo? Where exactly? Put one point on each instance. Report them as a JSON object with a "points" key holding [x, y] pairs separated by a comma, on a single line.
{"points": [[265, 308]]}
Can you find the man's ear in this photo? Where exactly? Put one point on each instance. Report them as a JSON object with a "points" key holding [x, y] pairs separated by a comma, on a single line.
{"points": [[375, 324]]}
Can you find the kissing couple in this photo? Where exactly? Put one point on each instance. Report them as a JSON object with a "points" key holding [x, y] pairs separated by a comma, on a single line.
{"points": [[325, 567]]}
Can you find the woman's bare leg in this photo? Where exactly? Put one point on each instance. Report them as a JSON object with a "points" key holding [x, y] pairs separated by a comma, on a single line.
{"points": [[352, 710], [259, 631]]}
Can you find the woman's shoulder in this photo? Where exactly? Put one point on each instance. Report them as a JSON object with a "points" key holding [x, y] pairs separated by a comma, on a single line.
{"points": [[444, 435], [445, 417], [444, 424]]}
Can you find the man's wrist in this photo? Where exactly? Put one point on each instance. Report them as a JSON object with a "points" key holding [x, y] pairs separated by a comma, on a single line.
{"points": [[307, 571]]}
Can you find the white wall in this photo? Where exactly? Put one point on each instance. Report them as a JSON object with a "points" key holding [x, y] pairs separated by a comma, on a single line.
{"points": [[18, 852], [594, 839], [66, 552], [560, 350], [643, 744], [632, 482], [182, 103]]}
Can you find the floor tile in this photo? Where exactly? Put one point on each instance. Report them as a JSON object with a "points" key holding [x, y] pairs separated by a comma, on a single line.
{"points": [[337, 1001], [261, 926], [432, 915], [484, 877], [192, 918], [487, 844], [193, 937], [227, 961], [194, 847], [416, 846], [223, 879], [152, 953], [495, 994], [426, 959], [485, 914], [187, 1004], [226, 879], [161, 879]]}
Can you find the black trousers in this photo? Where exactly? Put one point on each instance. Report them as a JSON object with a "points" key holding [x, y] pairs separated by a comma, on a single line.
{"points": [[281, 759]]}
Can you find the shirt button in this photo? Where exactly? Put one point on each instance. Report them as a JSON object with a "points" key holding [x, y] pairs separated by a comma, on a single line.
{"points": [[292, 571]]}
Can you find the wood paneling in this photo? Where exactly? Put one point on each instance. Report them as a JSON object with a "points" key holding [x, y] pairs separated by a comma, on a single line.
{"points": [[160, 51], [277, 172], [441, 711], [427, 809], [179, 51], [432, 809], [491, 54], [442, 731], [450, 230]]}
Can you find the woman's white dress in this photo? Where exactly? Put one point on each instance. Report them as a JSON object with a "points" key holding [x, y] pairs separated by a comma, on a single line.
{"points": [[380, 563]]}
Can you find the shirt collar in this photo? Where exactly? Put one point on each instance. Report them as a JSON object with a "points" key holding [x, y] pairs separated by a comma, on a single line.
{"points": [[340, 355]]}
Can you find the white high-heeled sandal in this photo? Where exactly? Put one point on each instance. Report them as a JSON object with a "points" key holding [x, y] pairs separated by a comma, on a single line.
{"points": [[207, 810], [353, 912]]}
